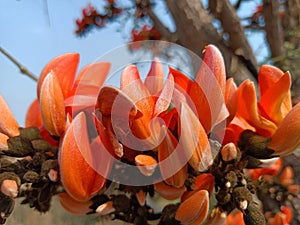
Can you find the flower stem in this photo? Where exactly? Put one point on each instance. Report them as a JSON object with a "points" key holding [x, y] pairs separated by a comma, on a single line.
{"points": [[22, 68]]}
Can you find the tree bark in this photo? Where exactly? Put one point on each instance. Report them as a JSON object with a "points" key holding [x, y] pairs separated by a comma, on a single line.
{"points": [[291, 28], [195, 30], [273, 29]]}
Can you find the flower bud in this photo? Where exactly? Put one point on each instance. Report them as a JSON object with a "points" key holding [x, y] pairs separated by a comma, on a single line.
{"points": [[229, 152]]}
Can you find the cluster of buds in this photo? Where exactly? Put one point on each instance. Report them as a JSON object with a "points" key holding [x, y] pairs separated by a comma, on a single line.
{"points": [[28, 166], [108, 150]]}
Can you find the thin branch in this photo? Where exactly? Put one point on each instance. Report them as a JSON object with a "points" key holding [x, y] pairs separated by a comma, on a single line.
{"points": [[238, 4], [254, 27], [22, 68]]}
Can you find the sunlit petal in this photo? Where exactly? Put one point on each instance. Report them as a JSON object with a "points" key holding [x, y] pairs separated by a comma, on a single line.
{"points": [[182, 81], [64, 66], [287, 137], [268, 75], [164, 100], [111, 100], [174, 169], [231, 98], [79, 179], [52, 105], [208, 89], [194, 139], [155, 78], [275, 101], [247, 108], [8, 123], [33, 116]]}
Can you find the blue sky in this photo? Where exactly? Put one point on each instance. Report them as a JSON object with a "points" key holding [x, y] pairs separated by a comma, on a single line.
{"points": [[27, 34], [34, 37]]}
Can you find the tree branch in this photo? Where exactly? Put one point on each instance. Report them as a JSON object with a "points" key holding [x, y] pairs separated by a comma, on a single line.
{"points": [[225, 12], [238, 4], [273, 27], [22, 68]]}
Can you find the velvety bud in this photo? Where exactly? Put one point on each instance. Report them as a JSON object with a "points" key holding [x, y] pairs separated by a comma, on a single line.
{"points": [[146, 164], [193, 210], [229, 152]]}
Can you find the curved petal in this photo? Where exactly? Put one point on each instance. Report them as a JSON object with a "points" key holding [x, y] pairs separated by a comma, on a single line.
{"points": [[194, 139], [268, 75], [231, 98], [235, 128], [172, 161], [215, 62], [287, 137], [73, 206], [168, 192], [276, 101], [194, 210], [132, 85], [8, 123], [111, 99], [247, 108], [182, 81], [33, 116], [64, 66], [155, 78], [91, 78], [52, 105], [208, 89], [164, 100], [78, 177]]}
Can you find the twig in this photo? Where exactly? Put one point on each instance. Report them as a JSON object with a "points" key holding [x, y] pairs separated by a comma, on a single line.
{"points": [[22, 68]]}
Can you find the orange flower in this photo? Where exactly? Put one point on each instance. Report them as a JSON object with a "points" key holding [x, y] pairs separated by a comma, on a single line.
{"points": [[59, 93], [136, 107], [208, 90], [273, 116], [78, 162]]}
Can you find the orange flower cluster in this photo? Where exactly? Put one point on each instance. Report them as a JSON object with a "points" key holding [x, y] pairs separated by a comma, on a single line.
{"points": [[92, 18], [159, 127]]}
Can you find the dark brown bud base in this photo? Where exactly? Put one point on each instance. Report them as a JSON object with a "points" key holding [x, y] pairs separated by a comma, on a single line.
{"points": [[35, 157], [233, 189]]}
